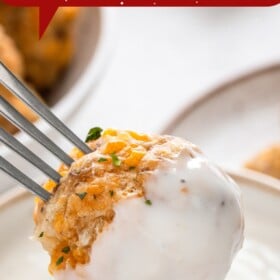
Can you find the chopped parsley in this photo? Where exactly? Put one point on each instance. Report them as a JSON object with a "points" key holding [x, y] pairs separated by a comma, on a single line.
{"points": [[148, 202], [102, 159], [59, 260], [116, 161], [41, 234], [111, 193], [94, 133], [66, 250], [81, 195]]}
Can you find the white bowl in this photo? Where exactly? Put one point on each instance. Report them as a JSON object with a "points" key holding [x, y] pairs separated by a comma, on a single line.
{"points": [[95, 39]]}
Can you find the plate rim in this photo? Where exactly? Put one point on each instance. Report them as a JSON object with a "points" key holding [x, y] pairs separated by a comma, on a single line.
{"points": [[208, 94], [12, 196], [260, 181], [216, 90]]}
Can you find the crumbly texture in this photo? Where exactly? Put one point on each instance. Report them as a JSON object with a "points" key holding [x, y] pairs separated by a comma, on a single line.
{"points": [[268, 162], [11, 57], [83, 203], [45, 59]]}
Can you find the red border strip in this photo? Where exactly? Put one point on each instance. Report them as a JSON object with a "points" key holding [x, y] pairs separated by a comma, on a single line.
{"points": [[49, 8], [143, 3]]}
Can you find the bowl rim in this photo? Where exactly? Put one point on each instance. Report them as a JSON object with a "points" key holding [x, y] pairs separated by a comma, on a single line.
{"points": [[208, 94], [96, 67]]}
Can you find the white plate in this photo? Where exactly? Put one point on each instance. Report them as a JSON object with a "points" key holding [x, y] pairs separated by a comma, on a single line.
{"points": [[95, 40], [235, 121], [22, 258]]}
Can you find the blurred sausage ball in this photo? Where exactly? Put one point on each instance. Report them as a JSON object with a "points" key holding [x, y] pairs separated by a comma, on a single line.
{"points": [[44, 59], [12, 58]]}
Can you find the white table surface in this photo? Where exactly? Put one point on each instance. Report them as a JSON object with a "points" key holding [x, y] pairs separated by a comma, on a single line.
{"points": [[165, 57]]}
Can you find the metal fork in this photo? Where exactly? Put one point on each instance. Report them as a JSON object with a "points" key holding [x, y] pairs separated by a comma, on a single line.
{"points": [[15, 86]]}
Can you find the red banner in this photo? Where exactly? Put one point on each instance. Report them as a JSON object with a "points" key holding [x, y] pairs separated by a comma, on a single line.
{"points": [[49, 7]]}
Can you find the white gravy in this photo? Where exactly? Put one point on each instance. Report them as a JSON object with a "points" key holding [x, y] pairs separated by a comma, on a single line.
{"points": [[192, 230]]}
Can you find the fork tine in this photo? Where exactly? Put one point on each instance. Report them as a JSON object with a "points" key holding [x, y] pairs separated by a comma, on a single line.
{"points": [[16, 146], [15, 117], [9, 80], [23, 179]]}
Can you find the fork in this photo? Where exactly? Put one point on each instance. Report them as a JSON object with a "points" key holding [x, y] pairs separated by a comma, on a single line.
{"points": [[21, 91]]}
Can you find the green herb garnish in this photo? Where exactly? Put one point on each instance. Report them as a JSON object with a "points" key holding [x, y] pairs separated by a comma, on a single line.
{"points": [[94, 133], [41, 234], [102, 159], [81, 195], [66, 250], [111, 193], [132, 167], [148, 202], [116, 161], [59, 260]]}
